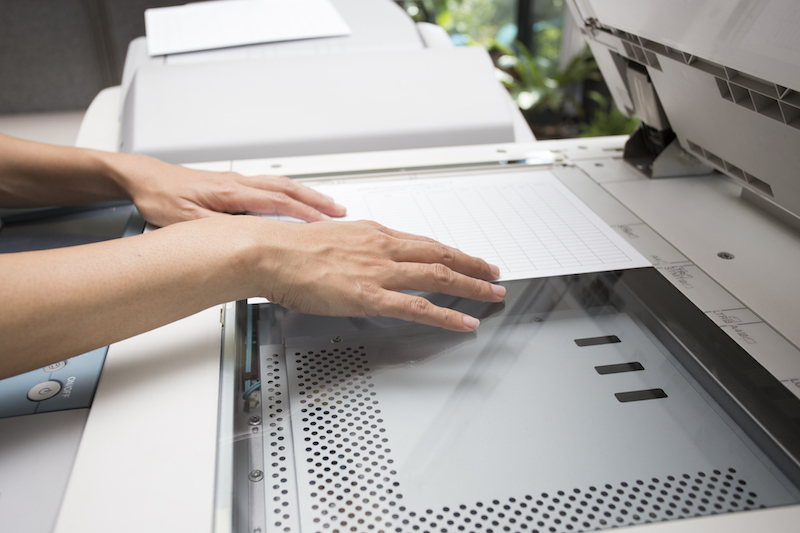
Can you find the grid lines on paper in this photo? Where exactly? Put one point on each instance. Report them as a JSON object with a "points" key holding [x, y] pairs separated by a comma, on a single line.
{"points": [[518, 226]]}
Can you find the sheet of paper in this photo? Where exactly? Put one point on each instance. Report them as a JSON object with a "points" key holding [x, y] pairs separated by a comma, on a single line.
{"points": [[226, 23], [527, 223]]}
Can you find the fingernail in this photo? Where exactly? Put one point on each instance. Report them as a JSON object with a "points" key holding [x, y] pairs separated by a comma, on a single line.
{"points": [[471, 322], [499, 290], [325, 217], [495, 270]]}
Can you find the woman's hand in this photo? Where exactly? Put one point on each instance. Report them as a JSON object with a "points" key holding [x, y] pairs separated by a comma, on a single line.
{"points": [[165, 194], [34, 175], [360, 269]]}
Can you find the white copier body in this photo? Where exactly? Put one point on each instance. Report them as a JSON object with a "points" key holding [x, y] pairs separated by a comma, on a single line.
{"points": [[144, 457]]}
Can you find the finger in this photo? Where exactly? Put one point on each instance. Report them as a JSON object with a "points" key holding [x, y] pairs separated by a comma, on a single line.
{"points": [[434, 252], [397, 233], [306, 195], [278, 203], [439, 278], [419, 249], [417, 309]]}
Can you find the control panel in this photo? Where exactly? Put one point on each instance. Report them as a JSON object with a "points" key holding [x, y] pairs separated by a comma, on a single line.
{"points": [[62, 385]]}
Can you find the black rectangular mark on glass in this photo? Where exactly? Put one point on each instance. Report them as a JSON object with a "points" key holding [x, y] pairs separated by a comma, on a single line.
{"points": [[594, 341], [616, 369], [638, 395]]}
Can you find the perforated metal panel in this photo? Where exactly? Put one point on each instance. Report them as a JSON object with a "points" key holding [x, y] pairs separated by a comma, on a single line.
{"points": [[384, 433]]}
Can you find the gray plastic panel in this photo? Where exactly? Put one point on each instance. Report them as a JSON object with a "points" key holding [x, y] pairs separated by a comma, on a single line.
{"points": [[312, 105]]}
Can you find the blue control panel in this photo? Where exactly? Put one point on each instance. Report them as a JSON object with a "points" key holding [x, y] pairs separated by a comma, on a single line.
{"points": [[67, 384]]}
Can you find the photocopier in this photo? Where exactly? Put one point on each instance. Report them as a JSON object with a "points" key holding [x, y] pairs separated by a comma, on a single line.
{"points": [[659, 398]]}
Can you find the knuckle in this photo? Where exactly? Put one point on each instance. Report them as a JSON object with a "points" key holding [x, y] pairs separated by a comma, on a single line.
{"points": [[441, 273], [482, 289], [285, 184], [370, 223], [365, 294], [228, 192], [378, 229], [417, 307], [379, 240], [444, 253], [280, 198]]}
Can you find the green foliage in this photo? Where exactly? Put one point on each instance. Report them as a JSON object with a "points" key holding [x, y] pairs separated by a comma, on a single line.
{"points": [[480, 20], [607, 119], [548, 42], [536, 82]]}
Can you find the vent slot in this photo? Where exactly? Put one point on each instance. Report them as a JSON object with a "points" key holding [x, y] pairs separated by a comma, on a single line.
{"points": [[791, 115], [732, 170], [595, 341], [675, 55], [735, 171], [628, 50], [791, 97], [640, 57], [619, 368], [625, 36], [696, 149], [758, 184], [640, 395], [654, 46], [724, 89], [714, 159], [742, 96], [652, 60], [751, 82], [767, 106], [712, 68]]}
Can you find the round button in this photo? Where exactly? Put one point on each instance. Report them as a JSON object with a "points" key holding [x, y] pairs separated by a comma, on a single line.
{"points": [[43, 391], [55, 366]]}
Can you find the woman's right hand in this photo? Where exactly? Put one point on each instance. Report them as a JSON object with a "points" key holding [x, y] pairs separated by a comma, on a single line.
{"points": [[360, 269]]}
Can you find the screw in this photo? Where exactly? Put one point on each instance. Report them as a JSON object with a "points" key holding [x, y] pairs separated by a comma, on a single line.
{"points": [[725, 255], [537, 319], [336, 339], [254, 420], [256, 475]]}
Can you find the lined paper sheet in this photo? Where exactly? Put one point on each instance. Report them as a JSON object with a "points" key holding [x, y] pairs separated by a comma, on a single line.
{"points": [[221, 24], [527, 223]]}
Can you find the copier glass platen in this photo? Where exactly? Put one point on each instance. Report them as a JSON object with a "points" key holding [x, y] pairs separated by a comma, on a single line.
{"points": [[582, 402]]}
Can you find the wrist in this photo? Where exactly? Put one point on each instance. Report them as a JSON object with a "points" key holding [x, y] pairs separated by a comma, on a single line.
{"points": [[254, 249], [115, 168], [131, 173]]}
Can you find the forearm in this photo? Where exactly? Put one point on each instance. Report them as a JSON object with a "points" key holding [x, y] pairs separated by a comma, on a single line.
{"points": [[60, 303], [33, 174]]}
